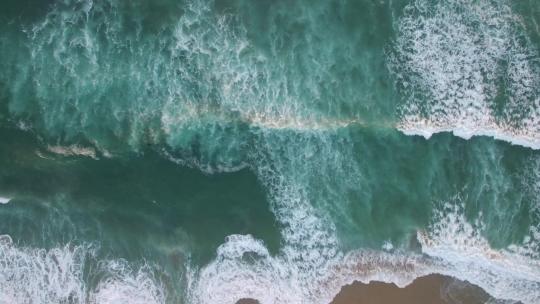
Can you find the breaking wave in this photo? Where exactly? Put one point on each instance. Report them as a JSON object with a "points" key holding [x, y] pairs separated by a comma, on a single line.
{"points": [[467, 68], [315, 274], [210, 99], [62, 274]]}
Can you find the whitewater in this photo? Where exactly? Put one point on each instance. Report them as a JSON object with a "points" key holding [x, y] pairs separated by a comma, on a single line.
{"points": [[317, 107]]}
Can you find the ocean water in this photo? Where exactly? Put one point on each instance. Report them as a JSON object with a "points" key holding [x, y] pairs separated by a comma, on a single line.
{"points": [[205, 151]]}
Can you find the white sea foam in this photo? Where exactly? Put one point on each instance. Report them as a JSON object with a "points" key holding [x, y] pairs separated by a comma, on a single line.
{"points": [[126, 286], [41, 276], [210, 72], [467, 255], [277, 280], [73, 150], [191, 114], [453, 246], [4, 200], [304, 272], [310, 267], [451, 59], [515, 137], [531, 183], [243, 268], [59, 275]]}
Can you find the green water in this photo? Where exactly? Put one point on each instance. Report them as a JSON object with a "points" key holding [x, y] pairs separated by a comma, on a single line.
{"points": [[153, 131], [131, 203]]}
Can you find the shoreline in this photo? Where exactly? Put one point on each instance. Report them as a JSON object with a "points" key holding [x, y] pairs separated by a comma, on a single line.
{"points": [[430, 289]]}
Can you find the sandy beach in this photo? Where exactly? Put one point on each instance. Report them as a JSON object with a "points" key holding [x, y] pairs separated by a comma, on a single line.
{"points": [[431, 289]]}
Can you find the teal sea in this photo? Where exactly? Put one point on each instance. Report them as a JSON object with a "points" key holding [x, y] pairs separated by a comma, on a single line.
{"points": [[205, 151]]}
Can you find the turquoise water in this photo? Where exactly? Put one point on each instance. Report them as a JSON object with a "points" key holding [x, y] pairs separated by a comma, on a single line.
{"points": [[207, 151]]}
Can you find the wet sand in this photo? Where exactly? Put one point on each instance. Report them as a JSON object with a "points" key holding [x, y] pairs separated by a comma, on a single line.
{"points": [[431, 289]]}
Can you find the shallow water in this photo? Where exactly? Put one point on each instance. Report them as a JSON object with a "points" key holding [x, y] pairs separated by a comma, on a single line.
{"points": [[207, 151]]}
